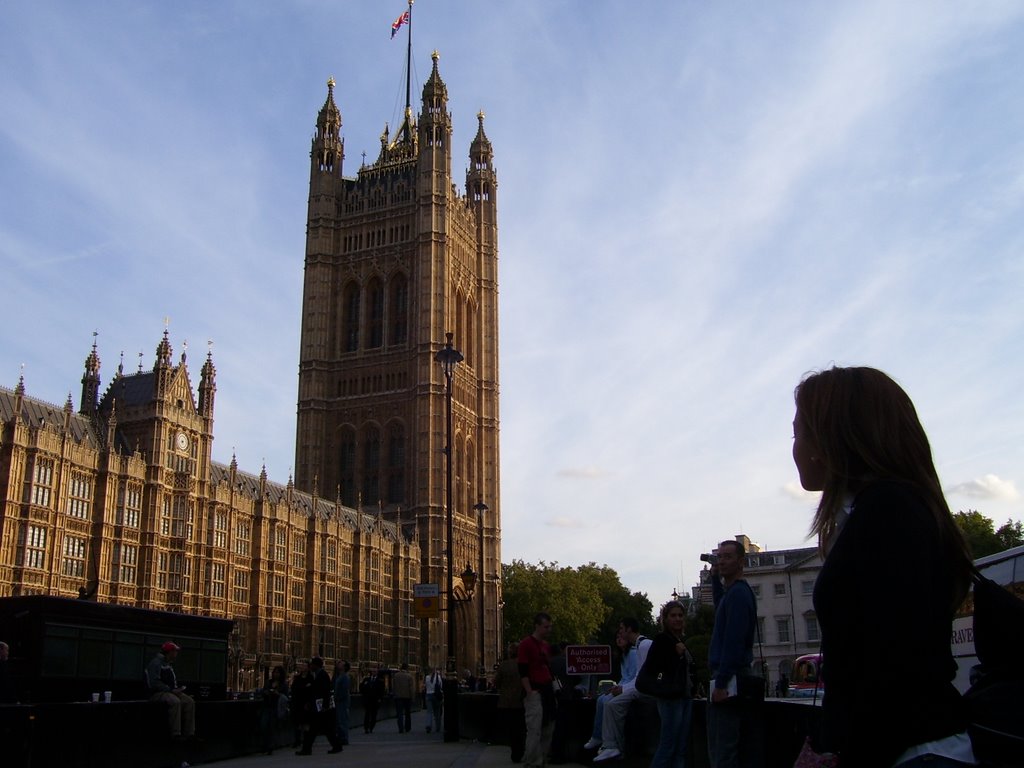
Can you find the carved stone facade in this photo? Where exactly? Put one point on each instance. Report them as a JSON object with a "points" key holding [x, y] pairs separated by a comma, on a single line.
{"points": [[120, 502], [396, 258]]}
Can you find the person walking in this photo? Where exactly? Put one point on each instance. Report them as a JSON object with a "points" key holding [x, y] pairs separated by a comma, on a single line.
{"points": [[301, 701], [342, 699], [538, 691], [321, 713], [403, 687], [371, 690], [434, 685], [883, 527], [275, 707]]}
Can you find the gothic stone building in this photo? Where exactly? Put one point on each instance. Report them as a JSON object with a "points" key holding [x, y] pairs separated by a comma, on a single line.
{"points": [[121, 502], [396, 258]]}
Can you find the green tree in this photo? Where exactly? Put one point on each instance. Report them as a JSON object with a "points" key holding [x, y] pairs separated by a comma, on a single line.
{"points": [[573, 602], [620, 603], [982, 537], [698, 640], [586, 603], [1011, 534]]}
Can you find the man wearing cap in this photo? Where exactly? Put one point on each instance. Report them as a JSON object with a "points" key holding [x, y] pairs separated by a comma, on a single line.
{"points": [[163, 686]]}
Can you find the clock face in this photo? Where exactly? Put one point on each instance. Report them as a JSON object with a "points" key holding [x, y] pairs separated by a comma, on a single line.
{"points": [[182, 441]]}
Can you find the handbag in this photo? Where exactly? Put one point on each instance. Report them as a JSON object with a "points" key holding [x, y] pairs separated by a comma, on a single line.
{"points": [[750, 688], [808, 758], [673, 684]]}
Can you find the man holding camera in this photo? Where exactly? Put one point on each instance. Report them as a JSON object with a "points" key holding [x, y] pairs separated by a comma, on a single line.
{"points": [[732, 723]]}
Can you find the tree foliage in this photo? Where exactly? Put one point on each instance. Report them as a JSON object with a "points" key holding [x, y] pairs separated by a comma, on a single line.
{"points": [[698, 641], [982, 536], [585, 603]]}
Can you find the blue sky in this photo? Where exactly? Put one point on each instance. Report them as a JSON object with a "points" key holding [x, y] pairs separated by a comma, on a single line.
{"points": [[698, 202]]}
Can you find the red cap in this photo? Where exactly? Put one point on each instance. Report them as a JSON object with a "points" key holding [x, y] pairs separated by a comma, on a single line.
{"points": [[169, 646]]}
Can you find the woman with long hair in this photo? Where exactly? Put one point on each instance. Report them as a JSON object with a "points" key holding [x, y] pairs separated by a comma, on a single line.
{"points": [[668, 655], [896, 569]]}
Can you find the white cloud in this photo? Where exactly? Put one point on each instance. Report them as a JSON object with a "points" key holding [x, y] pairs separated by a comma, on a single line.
{"points": [[794, 490], [566, 522], [986, 487], [584, 473]]}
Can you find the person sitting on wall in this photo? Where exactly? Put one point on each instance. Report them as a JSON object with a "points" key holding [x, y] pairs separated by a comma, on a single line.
{"points": [[163, 687]]}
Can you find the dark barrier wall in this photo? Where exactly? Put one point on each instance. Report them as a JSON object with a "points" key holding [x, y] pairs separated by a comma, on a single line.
{"points": [[64, 650], [132, 734]]}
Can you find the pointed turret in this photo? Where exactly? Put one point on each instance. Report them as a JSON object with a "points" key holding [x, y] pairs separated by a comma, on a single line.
{"points": [[481, 180], [207, 387], [328, 149], [435, 130], [90, 383], [162, 366]]}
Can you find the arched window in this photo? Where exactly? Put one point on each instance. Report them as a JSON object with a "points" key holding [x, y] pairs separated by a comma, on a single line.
{"points": [[396, 464], [374, 314], [350, 318], [469, 344], [347, 465], [371, 465], [398, 310], [459, 484], [459, 308]]}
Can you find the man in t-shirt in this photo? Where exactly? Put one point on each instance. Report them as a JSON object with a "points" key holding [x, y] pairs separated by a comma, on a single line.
{"points": [[538, 691]]}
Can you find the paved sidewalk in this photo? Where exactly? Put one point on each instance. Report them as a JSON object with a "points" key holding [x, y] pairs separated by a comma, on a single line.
{"points": [[385, 747]]}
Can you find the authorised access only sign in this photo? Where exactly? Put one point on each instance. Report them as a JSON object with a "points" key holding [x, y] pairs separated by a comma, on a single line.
{"points": [[588, 660]]}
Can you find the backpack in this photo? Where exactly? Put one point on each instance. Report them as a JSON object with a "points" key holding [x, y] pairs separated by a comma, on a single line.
{"points": [[995, 700]]}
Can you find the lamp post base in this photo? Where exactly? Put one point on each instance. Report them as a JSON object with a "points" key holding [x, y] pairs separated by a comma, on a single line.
{"points": [[450, 688]]}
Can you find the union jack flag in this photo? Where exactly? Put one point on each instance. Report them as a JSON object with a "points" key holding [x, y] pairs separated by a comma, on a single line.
{"points": [[397, 23]]}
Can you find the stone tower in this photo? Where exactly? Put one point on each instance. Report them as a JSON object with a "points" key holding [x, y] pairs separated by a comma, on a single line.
{"points": [[396, 257]]}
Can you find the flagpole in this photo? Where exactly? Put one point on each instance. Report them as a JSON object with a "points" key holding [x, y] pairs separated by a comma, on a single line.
{"points": [[408, 78]]}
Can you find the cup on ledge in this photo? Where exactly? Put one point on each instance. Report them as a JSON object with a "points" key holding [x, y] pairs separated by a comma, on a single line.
{"points": [[106, 697], [95, 698]]}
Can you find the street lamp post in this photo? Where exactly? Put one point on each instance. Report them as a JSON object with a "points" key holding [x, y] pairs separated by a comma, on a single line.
{"points": [[449, 357]]}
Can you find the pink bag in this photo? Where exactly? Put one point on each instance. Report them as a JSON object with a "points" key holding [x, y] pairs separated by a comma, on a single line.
{"points": [[808, 758]]}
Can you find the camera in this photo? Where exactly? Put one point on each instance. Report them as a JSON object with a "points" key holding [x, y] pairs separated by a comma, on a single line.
{"points": [[713, 559]]}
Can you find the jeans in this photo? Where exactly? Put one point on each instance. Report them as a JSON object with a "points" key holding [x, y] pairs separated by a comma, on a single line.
{"points": [[403, 714], [603, 699], [735, 735], [675, 733], [435, 708]]}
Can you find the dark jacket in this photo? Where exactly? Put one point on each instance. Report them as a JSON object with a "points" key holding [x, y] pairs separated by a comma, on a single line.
{"points": [[887, 576], [662, 657], [732, 640]]}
